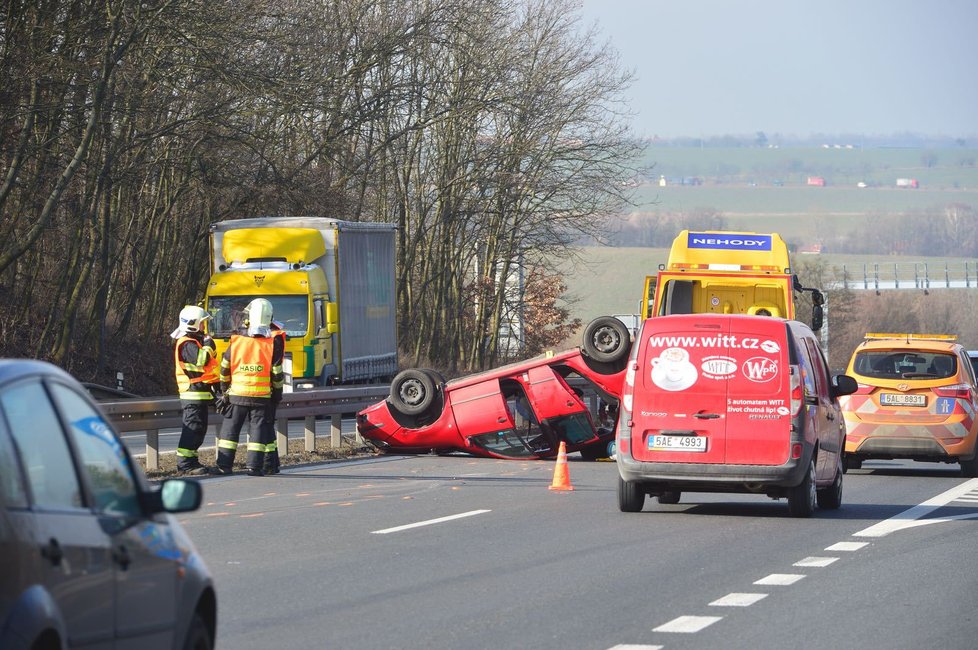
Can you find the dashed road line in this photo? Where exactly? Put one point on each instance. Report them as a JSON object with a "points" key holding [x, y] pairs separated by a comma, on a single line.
{"points": [[780, 579], [630, 646], [429, 522], [738, 600], [816, 561], [846, 546], [687, 624]]}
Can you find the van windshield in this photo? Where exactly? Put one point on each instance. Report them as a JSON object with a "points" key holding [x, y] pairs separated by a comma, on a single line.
{"points": [[227, 314]]}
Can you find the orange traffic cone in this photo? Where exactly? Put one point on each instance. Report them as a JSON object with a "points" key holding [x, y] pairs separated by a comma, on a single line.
{"points": [[561, 478]]}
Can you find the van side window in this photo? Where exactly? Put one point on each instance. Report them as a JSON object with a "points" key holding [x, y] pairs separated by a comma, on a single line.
{"points": [[102, 457], [807, 370], [819, 366], [13, 494], [43, 448]]}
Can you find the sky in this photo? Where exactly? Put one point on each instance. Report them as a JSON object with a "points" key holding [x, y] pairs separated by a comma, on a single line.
{"points": [[796, 68]]}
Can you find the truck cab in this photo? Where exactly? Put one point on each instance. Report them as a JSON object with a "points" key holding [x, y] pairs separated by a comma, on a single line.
{"points": [[723, 272]]}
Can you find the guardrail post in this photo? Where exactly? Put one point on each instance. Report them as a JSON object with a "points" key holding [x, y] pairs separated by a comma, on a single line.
{"points": [[282, 435], [310, 426], [153, 449], [336, 430]]}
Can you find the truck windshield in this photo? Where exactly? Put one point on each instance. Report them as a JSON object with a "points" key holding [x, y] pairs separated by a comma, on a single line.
{"points": [[227, 314]]}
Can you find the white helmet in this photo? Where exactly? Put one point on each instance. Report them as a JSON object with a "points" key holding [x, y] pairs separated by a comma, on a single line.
{"points": [[191, 319], [259, 315]]}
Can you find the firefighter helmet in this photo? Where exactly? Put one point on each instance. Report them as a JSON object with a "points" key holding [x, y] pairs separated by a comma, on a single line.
{"points": [[259, 317], [191, 320]]}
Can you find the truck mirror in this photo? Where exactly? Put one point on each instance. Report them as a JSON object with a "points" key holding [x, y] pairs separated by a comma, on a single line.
{"points": [[818, 316], [817, 297], [332, 317]]}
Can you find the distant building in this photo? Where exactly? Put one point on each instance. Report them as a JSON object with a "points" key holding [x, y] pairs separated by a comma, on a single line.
{"points": [[816, 181]]}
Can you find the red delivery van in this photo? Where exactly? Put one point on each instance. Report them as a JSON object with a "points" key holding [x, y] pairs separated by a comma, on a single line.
{"points": [[730, 403]]}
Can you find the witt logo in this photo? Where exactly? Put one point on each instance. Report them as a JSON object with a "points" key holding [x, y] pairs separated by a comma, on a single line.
{"points": [[259, 279], [760, 369]]}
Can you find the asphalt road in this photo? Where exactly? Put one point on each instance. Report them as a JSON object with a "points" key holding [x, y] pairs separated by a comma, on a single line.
{"points": [[458, 552]]}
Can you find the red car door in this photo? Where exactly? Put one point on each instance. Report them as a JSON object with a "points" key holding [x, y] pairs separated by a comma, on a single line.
{"points": [[759, 396], [480, 408]]}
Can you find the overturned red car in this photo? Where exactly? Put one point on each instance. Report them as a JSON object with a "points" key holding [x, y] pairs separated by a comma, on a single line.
{"points": [[522, 410]]}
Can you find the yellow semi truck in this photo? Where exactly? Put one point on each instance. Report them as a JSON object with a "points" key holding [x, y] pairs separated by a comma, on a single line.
{"points": [[331, 285], [727, 272]]}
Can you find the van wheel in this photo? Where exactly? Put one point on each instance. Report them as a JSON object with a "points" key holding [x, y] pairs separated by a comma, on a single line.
{"points": [[606, 339], [801, 498], [969, 468], [849, 462], [830, 498], [631, 497], [412, 391], [198, 638], [670, 497]]}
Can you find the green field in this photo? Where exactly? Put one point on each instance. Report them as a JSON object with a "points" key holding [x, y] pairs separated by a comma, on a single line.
{"points": [[934, 168], [765, 190]]}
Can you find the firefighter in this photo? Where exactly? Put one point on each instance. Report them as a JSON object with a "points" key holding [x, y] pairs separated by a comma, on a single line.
{"points": [[252, 378], [196, 366], [272, 462]]}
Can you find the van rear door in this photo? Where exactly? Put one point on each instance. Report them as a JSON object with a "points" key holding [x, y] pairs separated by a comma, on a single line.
{"points": [[680, 398], [758, 410]]}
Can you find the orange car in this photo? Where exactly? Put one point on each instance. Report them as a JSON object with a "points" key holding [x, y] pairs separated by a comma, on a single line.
{"points": [[916, 399]]}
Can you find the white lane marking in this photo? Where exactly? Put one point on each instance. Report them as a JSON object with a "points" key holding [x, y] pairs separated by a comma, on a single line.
{"points": [[816, 561], [687, 624], [629, 646], [908, 518], [429, 522], [737, 600], [846, 546], [781, 579]]}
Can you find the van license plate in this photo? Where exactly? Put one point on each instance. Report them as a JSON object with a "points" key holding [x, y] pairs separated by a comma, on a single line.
{"points": [[902, 399], [677, 443]]}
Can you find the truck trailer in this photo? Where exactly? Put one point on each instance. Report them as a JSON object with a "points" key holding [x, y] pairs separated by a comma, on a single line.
{"points": [[331, 285]]}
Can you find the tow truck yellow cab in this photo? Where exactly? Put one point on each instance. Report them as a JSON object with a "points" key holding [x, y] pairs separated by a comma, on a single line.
{"points": [[724, 272]]}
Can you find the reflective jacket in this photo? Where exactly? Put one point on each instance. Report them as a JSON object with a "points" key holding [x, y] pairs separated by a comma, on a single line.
{"points": [[251, 369], [196, 366]]}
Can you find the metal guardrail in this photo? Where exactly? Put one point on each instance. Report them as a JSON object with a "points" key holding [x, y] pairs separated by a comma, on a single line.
{"points": [[909, 275], [151, 415]]}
